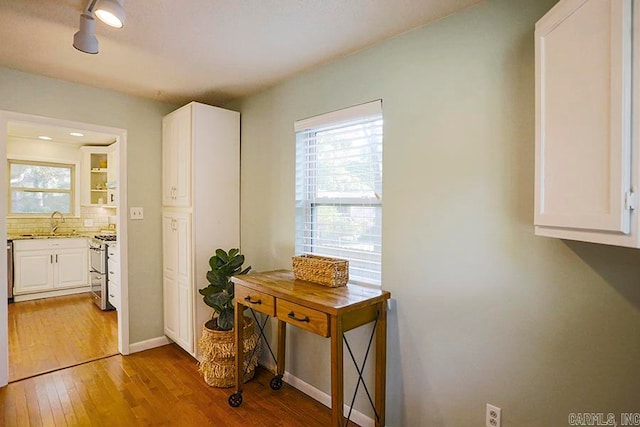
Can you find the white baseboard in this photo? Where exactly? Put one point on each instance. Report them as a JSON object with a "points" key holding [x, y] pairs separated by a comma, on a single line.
{"points": [[322, 397], [148, 344], [50, 294]]}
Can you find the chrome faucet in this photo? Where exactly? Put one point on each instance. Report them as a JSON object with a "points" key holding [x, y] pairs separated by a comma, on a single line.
{"points": [[55, 223]]}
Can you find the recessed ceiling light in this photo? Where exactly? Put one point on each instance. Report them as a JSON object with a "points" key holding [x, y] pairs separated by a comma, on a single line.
{"points": [[76, 134], [46, 138]]}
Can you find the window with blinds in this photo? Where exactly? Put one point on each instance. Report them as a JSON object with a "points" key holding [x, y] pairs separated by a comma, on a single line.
{"points": [[339, 188], [39, 188]]}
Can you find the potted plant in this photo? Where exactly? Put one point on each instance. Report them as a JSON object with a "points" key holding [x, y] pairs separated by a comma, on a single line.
{"points": [[219, 294], [218, 339]]}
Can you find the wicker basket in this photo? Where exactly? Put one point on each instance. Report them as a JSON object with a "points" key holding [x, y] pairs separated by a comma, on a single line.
{"points": [[332, 272], [218, 355]]}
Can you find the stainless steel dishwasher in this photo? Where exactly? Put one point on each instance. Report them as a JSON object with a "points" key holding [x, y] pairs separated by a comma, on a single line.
{"points": [[10, 270]]}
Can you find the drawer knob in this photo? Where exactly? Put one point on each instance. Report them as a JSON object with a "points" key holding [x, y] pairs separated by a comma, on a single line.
{"points": [[250, 301], [292, 315]]}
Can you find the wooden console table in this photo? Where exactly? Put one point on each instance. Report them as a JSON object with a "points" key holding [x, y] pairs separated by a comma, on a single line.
{"points": [[325, 311]]}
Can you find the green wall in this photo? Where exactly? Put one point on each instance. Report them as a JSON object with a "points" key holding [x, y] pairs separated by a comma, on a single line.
{"points": [[486, 311], [42, 96]]}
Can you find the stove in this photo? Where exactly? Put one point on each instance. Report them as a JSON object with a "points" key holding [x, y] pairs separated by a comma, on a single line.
{"points": [[98, 268]]}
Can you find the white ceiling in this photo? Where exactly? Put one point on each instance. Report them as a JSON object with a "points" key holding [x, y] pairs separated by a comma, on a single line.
{"points": [[58, 134], [205, 50]]}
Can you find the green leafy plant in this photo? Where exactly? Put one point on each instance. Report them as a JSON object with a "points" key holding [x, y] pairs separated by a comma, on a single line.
{"points": [[220, 292]]}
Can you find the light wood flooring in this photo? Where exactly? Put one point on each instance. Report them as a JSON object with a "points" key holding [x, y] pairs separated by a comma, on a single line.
{"points": [[54, 333], [158, 387]]}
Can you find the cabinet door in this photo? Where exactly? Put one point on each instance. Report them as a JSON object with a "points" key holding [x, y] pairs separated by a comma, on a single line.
{"points": [[183, 279], [33, 271], [113, 270], [177, 266], [583, 104], [71, 268], [112, 176], [176, 158], [170, 299]]}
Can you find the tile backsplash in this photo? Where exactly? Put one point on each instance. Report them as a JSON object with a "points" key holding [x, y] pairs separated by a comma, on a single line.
{"points": [[99, 216]]}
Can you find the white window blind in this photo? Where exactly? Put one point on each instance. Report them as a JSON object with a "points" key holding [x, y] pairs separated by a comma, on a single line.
{"points": [[339, 188]]}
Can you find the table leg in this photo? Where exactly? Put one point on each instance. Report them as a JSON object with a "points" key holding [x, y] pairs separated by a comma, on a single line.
{"points": [[337, 372], [282, 346], [381, 362], [238, 319]]}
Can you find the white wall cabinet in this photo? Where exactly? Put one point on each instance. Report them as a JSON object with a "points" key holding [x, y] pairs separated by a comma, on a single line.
{"points": [[99, 167], [201, 210], [49, 264], [586, 175]]}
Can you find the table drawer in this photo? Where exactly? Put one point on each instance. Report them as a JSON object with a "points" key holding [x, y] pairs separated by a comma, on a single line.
{"points": [[303, 317], [258, 301]]}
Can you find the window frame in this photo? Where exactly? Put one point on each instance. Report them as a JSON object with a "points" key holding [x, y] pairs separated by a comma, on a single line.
{"points": [[307, 200], [72, 166]]}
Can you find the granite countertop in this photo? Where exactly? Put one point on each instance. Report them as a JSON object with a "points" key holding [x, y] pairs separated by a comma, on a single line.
{"points": [[27, 236]]}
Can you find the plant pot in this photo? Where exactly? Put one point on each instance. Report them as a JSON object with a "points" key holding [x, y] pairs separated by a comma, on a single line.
{"points": [[219, 352]]}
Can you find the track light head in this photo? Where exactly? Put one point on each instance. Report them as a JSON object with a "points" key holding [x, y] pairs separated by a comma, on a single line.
{"points": [[111, 12], [85, 39]]}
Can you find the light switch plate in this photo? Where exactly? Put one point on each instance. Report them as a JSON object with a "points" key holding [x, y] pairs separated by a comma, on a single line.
{"points": [[136, 213]]}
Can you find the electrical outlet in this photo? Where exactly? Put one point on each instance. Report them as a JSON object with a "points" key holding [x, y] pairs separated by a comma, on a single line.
{"points": [[136, 213], [493, 416], [88, 223]]}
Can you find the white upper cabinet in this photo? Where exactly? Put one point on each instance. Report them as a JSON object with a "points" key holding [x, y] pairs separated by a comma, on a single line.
{"points": [[177, 144], [585, 132], [99, 172]]}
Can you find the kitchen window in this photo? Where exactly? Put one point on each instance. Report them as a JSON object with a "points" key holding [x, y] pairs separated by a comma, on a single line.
{"points": [[339, 188], [40, 188]]}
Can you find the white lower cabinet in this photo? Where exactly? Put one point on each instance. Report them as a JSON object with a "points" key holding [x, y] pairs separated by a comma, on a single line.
{"points": [[113, 274], [176, 279], [49, 264]]}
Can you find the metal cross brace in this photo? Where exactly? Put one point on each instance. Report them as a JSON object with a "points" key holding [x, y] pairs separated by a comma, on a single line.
{"points": [[262, 337], [360, 370]]}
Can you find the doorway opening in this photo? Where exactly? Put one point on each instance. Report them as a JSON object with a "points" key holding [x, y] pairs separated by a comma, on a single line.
{"points": [[48, 289]]}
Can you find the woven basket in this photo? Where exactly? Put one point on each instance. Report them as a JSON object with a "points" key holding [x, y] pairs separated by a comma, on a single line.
{"points": [[332, 272], [218, 355]]}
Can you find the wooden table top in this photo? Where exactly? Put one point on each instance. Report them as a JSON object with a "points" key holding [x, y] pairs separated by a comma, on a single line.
{"points": [[282, 284]]}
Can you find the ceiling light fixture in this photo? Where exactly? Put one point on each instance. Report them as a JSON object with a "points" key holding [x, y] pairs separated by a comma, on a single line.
{"points": [[76, 134], [85, 39], [111, 12], [108, 11], [45, 138]]}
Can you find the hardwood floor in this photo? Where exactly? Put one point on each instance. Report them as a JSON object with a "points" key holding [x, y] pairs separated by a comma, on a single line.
{"points": [[158, 387], [54, 333]]}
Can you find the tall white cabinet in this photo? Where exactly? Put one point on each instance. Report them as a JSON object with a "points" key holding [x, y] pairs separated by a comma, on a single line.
{"points": [[587, 134], [201, 210]]}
